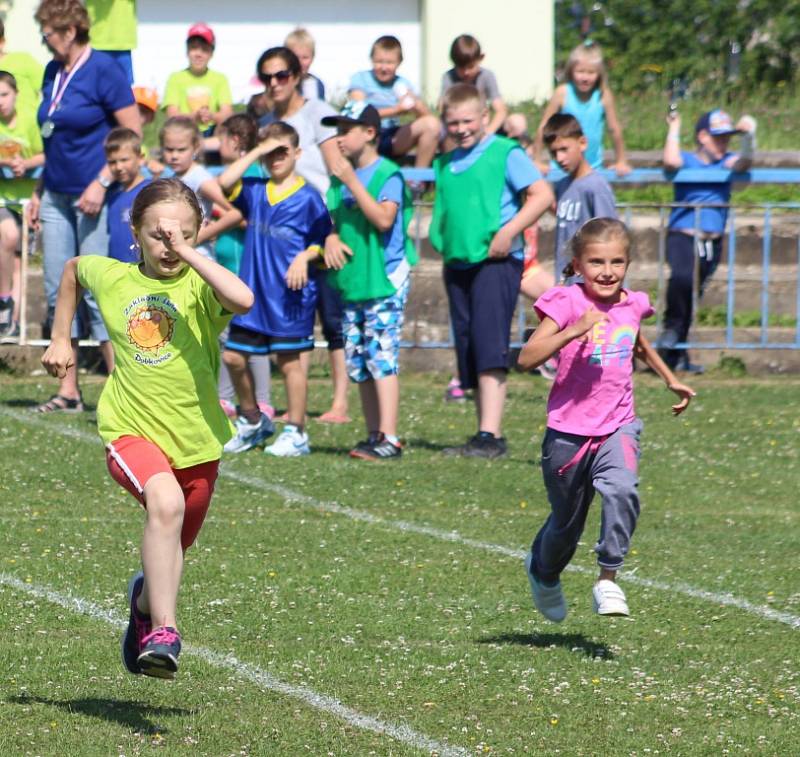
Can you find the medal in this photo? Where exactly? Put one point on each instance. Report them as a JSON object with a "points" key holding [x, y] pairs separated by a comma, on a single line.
{"points": [[59, 87]]}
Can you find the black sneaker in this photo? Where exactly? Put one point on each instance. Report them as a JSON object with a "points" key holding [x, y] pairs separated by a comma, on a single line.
{"points": [[483, 444], [383, 450], [139, 626], [375, 437], [11, 336], [6, 315]]}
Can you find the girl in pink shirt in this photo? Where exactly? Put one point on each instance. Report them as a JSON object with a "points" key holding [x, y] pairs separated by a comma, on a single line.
{"points": [[592, 438]]}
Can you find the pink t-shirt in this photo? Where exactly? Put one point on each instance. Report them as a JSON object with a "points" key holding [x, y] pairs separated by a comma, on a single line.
{"points": [[593, 391]]}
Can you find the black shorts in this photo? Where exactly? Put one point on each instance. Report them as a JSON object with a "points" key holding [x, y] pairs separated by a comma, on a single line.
{"points": [[482, 300], [251, 342], [330, 308], [385, 141], [8, 213]]}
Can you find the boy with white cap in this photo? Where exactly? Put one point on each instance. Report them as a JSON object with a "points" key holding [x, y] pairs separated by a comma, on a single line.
{"points": [[700, 234]]}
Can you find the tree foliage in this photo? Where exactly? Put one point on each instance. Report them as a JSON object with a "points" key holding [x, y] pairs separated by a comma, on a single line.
{"points": [[715, 45]]}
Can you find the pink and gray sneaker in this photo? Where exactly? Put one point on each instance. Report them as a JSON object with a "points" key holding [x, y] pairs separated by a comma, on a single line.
{"points": [[139, 627], [159, 655]]}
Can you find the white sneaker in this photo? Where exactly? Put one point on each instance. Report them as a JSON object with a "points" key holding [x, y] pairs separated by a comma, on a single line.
{"points": [[291, 443], [249, 435], [609, 599], [549, 600]]}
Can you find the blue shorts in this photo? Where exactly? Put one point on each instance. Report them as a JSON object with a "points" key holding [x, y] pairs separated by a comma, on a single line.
{"points": [[482, 299], [385, 141], [251, 342], [372, 335]]}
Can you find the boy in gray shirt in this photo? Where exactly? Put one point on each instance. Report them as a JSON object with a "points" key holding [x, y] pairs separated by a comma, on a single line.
{"points": [[582, 194]]}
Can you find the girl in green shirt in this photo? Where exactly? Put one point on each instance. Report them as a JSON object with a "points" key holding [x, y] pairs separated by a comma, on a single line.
{"points": [[158, 414], [20, 152]]}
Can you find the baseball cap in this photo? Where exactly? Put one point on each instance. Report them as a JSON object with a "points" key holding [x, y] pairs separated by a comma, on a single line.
{"points": [[146, 96], [356, 112], [715, 122], [203, 31]]}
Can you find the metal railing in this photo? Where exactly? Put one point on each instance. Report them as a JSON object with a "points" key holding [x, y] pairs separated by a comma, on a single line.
{"points": [[766, 211]]}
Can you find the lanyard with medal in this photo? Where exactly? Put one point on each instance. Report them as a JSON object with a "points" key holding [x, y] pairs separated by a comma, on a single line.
{"points": [[59, 87]]}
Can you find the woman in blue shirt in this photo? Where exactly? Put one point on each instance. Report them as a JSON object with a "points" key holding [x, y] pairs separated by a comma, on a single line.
{"points": [[84, 95]]}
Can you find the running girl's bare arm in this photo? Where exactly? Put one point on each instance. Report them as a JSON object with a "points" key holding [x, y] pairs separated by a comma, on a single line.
{"points": [[549, 339], [645, 352], [233, 294], [59, 356]]}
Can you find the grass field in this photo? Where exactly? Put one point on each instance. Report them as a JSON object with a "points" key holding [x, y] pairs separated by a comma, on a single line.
{"points": [[333, 607]]}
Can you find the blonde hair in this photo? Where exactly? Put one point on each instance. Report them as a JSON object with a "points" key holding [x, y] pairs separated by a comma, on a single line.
{"points": [[587, 52], [598, 231], [462, 93], [300, 37], [181, 123]]}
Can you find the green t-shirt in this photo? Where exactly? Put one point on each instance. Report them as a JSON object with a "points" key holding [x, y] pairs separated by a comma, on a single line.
{"points": [[189, 92], [29, 74], [113, 24], [164, 384], [23, 139]]}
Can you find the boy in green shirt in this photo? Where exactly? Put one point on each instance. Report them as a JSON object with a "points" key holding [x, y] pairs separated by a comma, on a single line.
{"points": [[114, 30], [197, 91], [478, 220], [371, 257]]}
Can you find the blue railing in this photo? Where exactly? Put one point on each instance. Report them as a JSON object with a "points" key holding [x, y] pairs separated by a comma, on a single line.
{"points": [[658, 176], [692, 176]]}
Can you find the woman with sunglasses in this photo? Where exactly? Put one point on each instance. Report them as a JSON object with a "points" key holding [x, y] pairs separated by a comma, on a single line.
{"points": [[85, 94], [280, 71]]}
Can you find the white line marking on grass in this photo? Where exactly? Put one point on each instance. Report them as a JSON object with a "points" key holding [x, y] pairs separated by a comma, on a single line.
{"points": [[726, 599], [252, 673]]}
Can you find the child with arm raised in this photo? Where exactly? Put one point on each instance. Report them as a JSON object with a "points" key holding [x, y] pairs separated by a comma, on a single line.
{"points": [[158, 414], [371, 257], [286, 227]]}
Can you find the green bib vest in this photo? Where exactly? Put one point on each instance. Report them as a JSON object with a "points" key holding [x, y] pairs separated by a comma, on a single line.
{"points": [[466, 211], [364, 274]]}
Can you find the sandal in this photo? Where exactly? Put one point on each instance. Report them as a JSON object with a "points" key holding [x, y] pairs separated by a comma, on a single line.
{"points": [[59, 403]]}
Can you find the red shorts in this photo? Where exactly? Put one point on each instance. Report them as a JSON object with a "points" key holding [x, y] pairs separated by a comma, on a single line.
{"points": [[133, 461]]}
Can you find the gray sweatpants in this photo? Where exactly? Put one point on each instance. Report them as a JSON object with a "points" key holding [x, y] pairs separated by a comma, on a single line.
{"points": [[574, 467]]}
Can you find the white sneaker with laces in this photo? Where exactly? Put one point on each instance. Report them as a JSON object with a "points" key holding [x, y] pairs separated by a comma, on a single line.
{"points": [[291, 443], [249, 435], [549, 600], [609, 599]]}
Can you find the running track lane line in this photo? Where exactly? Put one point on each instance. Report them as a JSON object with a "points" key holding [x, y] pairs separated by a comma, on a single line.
{"points": [[252, 673], [289, 495]]}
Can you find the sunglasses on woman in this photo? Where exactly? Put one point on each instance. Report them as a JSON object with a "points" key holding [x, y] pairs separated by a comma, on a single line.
{"points": [[280, 76]]}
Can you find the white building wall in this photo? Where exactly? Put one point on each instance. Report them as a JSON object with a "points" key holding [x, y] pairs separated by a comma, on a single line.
{"points": [[516, 36], [22, 32], [343, 29]]}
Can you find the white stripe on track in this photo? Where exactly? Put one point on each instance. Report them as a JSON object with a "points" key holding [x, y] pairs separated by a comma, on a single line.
{"points": [[289, 495], [251, 673]]}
